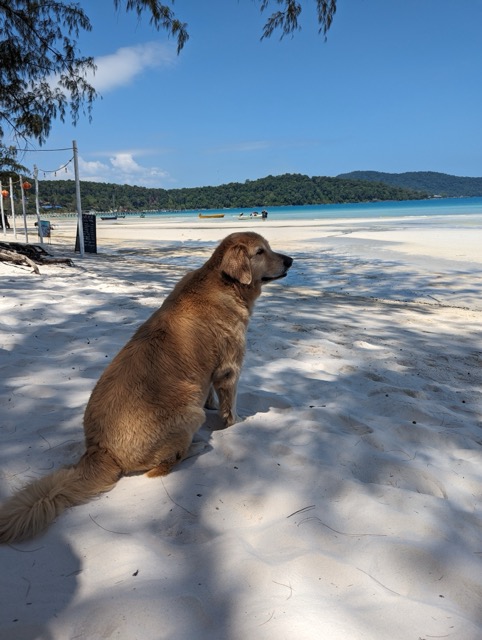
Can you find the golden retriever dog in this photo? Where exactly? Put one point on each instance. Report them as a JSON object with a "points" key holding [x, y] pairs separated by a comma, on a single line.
{"points": [[149, 402]]}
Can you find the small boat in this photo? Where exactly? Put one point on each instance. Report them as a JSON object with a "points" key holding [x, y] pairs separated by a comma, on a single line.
{"points": [[211, 215], [250, 216], [108, 217]]}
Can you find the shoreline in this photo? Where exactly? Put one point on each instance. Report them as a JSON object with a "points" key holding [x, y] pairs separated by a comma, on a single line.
{"points": [[457, 238], [440, 248]]}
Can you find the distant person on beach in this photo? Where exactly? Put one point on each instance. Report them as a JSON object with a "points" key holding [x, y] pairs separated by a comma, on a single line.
{"points": [[264, 214]]}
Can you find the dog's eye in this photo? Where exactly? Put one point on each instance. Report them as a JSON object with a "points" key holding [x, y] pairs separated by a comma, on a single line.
{"points": [[259, 251]]}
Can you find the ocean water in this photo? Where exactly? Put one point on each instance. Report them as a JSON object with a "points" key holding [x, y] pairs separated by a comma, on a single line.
{"points": [[374, 210]]}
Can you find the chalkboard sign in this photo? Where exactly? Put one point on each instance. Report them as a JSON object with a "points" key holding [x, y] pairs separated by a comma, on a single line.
{"points": [[90, 234]]}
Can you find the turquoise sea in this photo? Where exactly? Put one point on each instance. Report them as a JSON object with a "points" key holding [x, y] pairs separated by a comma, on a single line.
{"points": [[373, 210]]}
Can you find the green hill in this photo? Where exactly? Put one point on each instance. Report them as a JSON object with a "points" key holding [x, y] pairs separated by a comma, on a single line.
{"points": [[440, 184], [288, 189]]}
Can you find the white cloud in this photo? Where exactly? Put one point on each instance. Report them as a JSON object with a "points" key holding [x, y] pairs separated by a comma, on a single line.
{"points": [[92, 168], [125, 163], [121, 168], [131, 172], [120, 68]]}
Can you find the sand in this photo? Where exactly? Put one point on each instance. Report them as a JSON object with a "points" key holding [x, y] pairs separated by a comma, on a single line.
{"points": [[346, 505]]}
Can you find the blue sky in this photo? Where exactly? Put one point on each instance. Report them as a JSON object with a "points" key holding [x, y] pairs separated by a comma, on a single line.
{"points": [[396, 87]]}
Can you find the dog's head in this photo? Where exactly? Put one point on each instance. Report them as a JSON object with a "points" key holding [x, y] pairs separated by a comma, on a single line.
{"points": [[248, 259]]}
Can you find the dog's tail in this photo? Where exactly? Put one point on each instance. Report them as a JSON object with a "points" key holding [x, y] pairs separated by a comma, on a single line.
{"points": [[33, 508]]}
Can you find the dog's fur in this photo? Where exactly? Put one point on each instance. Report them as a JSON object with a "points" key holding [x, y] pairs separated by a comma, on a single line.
{"points": [[149, 402]]}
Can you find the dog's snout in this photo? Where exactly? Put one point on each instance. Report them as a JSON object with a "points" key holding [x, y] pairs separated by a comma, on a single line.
{"points": [[287, 262]]}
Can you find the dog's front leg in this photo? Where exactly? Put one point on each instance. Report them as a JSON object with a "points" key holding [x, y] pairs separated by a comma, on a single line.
{"points": [[225, 385], [211, 400]]}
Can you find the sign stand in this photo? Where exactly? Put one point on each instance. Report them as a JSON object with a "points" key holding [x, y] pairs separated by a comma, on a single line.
{"points": [[89, 234]]}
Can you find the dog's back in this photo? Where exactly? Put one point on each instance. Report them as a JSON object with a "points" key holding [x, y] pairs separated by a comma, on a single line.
{"points": [[161, 379]]}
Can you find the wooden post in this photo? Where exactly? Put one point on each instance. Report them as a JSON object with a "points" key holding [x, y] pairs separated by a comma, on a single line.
{"points": [[22, 192], [4, 222], [12, 205], [37, 205], [78, 201]]}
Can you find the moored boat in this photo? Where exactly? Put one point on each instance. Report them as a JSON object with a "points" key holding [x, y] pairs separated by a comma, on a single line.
{"points": [[255, 214]]}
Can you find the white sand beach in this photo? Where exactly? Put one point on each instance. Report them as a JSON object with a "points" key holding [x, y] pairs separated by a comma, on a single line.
{"points": [[347, 505]]}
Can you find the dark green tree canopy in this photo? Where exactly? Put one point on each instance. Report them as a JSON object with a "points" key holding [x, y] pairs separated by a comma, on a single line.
{"points": [[43, 75], [38, 43], [289, 189]]}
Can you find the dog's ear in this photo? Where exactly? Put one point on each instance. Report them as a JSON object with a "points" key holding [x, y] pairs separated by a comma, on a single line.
{"points": [[236, 265]]}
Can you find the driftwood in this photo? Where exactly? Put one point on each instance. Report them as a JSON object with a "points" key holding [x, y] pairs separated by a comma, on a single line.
{"points": [[12, 256], [30, 254]]}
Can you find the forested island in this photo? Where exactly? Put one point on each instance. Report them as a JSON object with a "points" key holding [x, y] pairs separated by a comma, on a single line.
{"points": [[284, 190], [432, 182]]}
